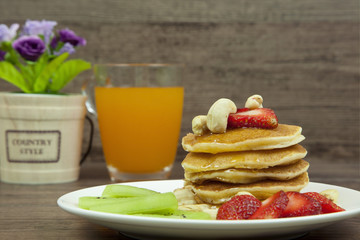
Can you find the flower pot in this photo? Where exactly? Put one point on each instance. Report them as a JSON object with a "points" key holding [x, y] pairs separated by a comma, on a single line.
{"points": [[40, 137]]}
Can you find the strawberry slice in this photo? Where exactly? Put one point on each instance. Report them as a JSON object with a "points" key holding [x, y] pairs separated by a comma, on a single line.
{"points": [[301, 205], [238, 207], [272, 207], [256, 118], [327, 206]]}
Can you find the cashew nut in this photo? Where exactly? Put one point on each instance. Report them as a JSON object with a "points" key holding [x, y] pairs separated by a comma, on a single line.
{"points": [[255, 101], [331, 194], [199, 125], [217, 116]]}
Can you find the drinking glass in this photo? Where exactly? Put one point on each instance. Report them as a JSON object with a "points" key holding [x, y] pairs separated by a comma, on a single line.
{"points": [[139, 111]]}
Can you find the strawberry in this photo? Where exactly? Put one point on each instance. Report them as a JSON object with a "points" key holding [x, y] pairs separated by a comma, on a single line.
{"points": [[327, 206], [301, 205], [272, 207], [256, 118], [238, 207]]}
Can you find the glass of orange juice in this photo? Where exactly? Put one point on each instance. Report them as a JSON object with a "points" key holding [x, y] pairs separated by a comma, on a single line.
{"points": [[139, 110]]}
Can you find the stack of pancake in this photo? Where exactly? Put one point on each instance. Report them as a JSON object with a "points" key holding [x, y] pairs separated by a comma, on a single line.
{"points": [[259, 161]]}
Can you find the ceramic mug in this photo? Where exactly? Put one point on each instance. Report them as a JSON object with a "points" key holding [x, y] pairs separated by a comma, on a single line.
{"points": [[41, 137]]}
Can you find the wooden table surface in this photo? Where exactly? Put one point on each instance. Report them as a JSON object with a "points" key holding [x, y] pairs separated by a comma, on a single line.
{"points": [[30, 212]]}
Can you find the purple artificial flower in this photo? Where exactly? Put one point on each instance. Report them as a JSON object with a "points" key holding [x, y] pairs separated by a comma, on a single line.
{"points": [[43, 27], [54, 42], [29, 47], [66, 48], [68, 36], [2, 55], [7, 34]]}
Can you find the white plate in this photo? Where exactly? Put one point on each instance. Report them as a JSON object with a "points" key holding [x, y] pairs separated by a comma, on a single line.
{"points": [[156, 228]]}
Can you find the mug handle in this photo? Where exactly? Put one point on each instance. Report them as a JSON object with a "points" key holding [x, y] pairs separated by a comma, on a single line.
{"points": [[83, 158], [91, 110], [89, 101]]}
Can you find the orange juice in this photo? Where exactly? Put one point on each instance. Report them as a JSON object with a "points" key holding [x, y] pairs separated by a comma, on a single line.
{"points": [[139, 127]]}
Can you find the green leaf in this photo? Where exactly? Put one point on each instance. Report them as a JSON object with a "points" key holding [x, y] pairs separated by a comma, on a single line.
{"points": [[6, 46], [43, 80], [9, 73], [38, 66], [27, 74], [67, 72]]}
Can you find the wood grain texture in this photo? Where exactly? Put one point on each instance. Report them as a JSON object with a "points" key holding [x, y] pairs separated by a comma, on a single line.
{"points": [[301, 56], [100, 11]]}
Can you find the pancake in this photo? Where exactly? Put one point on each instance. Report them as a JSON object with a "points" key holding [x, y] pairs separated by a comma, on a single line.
{"points": [[198, 162], [250, 175], [243, 139], [213, 192]]}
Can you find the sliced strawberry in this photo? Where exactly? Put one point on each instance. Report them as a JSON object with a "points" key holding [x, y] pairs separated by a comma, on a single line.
{"points": [[327, 206], [301, 205], [256, 118], [272, 207], [238, 207]]}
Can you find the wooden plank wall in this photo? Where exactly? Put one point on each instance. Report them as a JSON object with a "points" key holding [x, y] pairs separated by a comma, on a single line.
{"points": [[301, 56]]}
